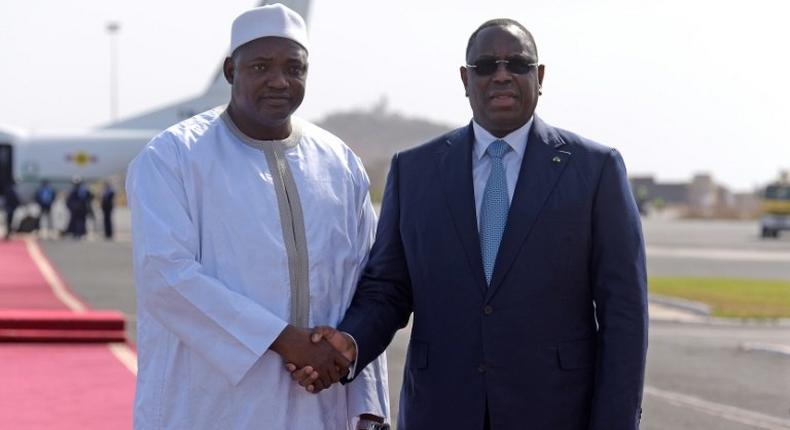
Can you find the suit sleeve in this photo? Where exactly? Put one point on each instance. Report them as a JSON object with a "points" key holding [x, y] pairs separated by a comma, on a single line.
{"points": [[382, 303], [620, 294], [369, 392], [226, 328]]}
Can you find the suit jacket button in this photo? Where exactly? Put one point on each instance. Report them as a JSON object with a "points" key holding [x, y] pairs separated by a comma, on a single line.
{"points": [[488, 310], [482, 368]]}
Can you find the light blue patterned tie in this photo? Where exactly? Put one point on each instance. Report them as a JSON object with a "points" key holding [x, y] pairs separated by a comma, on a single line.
{"points": [[493, 211]]}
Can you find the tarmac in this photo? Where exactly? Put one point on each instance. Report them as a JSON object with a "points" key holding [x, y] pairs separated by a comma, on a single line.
{"points": [[703, 372], [109, 263]]}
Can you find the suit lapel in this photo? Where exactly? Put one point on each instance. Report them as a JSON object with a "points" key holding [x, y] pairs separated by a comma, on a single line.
{"points": [[544, 162], [455, 169]]}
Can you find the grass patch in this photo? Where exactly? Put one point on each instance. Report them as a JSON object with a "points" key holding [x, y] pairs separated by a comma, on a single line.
{"points": [[731, 298]]}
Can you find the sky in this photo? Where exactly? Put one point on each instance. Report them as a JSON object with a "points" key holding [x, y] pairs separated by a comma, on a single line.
{"points": [[678, 86]]}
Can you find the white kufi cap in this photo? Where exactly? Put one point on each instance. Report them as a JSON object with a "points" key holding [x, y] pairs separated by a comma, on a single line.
{"points": [[273, 20]]}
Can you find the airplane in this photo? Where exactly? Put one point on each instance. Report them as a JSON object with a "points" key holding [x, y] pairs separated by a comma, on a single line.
{"points": [[27, 159]]}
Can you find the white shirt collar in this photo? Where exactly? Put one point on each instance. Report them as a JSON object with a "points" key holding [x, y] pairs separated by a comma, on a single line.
{"points": [[517, 139]]}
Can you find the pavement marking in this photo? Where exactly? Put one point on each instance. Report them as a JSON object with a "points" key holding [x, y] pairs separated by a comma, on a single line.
{"points": [[659, 312], [125, 355], [52, 278], [775, 348], [731, 413], [719, 254], [121, 351]]}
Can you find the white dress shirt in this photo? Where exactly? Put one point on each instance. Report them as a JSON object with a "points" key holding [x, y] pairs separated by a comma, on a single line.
{"points": [[481, 161]]}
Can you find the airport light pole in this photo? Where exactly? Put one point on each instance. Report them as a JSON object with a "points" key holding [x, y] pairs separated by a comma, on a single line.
{"points": [[112, 28]]}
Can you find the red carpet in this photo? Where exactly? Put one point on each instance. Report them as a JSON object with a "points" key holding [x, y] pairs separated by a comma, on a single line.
{"points": [[57, 371], [22, 286], [24, 325], [64, 387]]}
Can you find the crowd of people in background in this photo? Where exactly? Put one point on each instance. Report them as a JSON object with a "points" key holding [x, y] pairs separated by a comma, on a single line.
{"points": [[79, 202]]}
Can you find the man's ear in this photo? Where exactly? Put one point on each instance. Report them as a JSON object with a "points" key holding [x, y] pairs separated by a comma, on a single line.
{"points": [[541, 70], [465, 79], [228, 69]]}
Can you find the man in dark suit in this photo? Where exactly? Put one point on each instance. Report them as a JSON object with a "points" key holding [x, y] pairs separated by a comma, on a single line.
{"points": [[79, 203], [518, 248], [107, 205]]}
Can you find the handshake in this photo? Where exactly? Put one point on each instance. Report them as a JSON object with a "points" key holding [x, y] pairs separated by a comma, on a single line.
{"points": [[316, 359]]}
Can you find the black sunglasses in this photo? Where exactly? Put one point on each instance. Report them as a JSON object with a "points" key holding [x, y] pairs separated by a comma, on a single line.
{"points": [[489, 66]]}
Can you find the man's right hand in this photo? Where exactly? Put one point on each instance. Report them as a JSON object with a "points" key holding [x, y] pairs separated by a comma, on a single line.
{"points": [[343, 343], [326, 364]]}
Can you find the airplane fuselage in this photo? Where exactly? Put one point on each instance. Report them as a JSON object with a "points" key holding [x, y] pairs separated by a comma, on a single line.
{"points": [[62, 158], [96, 154]]}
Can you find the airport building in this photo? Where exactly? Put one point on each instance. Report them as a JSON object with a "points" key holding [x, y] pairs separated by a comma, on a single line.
{"points": [[701, 197]]}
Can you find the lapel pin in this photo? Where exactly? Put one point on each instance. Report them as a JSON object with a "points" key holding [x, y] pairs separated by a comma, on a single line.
{"points": [[556, 159]]}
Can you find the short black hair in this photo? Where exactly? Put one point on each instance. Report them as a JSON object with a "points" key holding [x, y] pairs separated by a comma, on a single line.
{"points": [[500, 22]]}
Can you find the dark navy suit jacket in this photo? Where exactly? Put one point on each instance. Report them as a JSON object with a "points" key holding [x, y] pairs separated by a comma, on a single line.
{"points": [[558, 340]]}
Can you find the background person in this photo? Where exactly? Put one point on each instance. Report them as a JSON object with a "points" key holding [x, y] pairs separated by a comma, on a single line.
{"points": [[45, 197], [11, 203], [79, 203], [107, 205]]}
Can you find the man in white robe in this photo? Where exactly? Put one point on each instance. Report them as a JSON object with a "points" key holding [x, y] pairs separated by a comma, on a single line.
{"points": [[249, 226]]}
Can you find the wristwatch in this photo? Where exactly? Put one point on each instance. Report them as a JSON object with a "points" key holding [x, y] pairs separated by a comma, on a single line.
{"points": [[372, 425]]}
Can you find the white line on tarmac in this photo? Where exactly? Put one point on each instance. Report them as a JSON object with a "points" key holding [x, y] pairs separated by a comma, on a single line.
{"points": [[731, 413], [52, 278], [660, 312], [125, 355], [121, 351], [774, 348], [720, 254]]}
